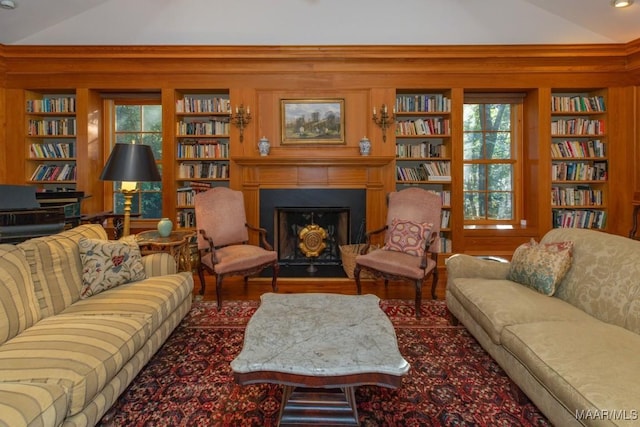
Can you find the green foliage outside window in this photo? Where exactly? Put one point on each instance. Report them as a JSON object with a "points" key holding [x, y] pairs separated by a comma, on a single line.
{"points": [[140, 124], [488, 162]]}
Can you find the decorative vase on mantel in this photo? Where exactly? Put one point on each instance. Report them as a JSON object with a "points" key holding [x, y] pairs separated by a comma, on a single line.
{"points": [[365, 146], [164, 227], [264, 146]]}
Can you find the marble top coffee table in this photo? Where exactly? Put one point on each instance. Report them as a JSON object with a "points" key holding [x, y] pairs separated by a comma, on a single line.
{"points": [[313, 343]]}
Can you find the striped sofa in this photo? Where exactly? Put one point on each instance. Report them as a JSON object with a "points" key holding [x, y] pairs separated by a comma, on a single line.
{"points": [[65, 360]]}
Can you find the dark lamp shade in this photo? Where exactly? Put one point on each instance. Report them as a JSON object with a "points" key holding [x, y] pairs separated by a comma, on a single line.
{"points": [[131, 162]]}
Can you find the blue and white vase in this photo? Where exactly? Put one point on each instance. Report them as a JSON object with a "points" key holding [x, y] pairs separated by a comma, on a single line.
{"points": [[164, 227], [264, 146], [365, 146]]}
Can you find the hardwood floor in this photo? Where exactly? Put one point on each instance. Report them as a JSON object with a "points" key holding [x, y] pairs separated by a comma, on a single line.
{"points": [[233, 288]]}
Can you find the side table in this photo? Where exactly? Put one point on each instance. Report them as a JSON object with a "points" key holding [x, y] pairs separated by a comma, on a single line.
{"points": [[177, 244]]}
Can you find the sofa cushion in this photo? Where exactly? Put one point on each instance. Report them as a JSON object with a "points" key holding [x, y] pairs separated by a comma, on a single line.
{"points": [[18, 304], [32, 405], [56, 267], [540, 266], [106, 264], [407, 236], [155, 297], [81, 353], [585, 364], [604, 279], [495, 304]]}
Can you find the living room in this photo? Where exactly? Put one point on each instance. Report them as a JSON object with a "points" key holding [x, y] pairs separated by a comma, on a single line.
{"points": [[262, 61]]}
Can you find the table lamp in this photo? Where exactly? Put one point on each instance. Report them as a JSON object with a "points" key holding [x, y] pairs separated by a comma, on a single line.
{"points": [[130, 163]]}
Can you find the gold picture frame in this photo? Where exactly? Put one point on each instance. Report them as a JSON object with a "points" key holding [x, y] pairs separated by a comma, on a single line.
{"points": [[312, 121]]}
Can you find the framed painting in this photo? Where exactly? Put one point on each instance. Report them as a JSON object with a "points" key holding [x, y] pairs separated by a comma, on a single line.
{"points": [[312, 121]]}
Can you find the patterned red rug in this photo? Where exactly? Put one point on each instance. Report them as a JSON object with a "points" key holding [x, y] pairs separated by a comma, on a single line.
{"points": [[452, 381]]}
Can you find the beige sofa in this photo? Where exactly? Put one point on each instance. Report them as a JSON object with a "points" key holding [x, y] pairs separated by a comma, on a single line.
{"points": [[576, 354], [65, 360]]}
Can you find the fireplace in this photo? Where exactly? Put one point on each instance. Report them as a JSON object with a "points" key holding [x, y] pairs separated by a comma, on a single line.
{"points": [[307, 226]]}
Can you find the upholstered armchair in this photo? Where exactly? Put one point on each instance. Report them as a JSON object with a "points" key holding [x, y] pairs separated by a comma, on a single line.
{"points": [[223, 240], [410, 252]]}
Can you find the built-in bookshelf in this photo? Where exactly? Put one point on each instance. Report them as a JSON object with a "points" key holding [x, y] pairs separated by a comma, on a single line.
{"points": [[50, 140], [579, 161], [202, 144], [423, 148]]}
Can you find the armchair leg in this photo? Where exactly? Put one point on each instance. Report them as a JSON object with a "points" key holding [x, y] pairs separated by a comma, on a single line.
{"points": [[418, 298], [202, 281], [356, 274], [434, 284], [274, 280], [219, 291]]}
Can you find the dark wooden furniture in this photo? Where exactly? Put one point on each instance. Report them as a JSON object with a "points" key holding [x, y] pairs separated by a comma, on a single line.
{"points": [[22, 217], [176, 244]]}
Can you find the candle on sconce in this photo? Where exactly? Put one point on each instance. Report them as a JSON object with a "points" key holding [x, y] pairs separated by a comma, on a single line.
{"points": [[248, 110], [374, 111]]}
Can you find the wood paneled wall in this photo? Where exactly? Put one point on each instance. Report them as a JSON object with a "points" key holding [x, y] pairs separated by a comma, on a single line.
{"points": [[365, 76]]}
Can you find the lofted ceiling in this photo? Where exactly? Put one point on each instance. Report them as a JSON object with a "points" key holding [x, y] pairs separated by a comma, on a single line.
{"points": [[317, 22]]}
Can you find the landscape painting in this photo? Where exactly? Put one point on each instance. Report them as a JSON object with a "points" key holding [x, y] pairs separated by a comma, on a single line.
{"points": [[312, 121]]}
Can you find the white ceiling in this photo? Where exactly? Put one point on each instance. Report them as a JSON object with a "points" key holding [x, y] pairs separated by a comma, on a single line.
{"points": [[317, 22]]}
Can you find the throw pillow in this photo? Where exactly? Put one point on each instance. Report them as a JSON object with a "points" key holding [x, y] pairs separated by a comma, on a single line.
{"points": [[108, 263], [407, 236], [541, 266]]}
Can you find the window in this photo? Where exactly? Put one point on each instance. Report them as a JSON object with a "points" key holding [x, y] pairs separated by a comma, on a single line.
{"points": [[492, 139], [140, 122]]}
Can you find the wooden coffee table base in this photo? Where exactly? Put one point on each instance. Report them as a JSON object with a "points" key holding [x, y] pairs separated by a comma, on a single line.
{"points": [[328, 407]]}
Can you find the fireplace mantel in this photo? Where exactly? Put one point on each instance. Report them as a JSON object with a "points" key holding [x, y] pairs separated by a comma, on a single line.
{"points": [[357, 161], [375, 174]]}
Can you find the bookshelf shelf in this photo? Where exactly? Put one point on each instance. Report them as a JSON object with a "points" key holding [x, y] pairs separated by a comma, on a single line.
{"points": [[202, 147], [579, 161], [50, 139]]}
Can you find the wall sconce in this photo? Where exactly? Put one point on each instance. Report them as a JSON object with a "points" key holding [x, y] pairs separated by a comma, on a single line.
{"points": [[241, 119], [384, 120]]}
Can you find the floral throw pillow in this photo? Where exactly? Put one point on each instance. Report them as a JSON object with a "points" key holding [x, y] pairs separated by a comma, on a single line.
{"points": [[407, 236], [541, 266], [107, 264]]}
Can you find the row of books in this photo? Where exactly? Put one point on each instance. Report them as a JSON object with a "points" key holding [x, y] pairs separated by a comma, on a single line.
{"points": [[570, 218], [208, 127], [577, 103], [208, 170], [64, 172], [579, 171], [428, 171], [431, 126], [445, 244], [423, 103], [205, 148], [192, 104], [420, 150], [186, 195], [66, 127], [58, 150], [62, 104], [591, 148], [577, 127], [576, 196], [186, 219], [445, 215]]}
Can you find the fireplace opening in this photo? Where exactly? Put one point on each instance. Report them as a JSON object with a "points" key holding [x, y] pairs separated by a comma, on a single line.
{"points": [[311, 235], [307, 227]]}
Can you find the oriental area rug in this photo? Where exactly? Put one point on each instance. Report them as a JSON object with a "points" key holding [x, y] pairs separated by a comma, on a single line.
{"points": [[452, 381]]}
